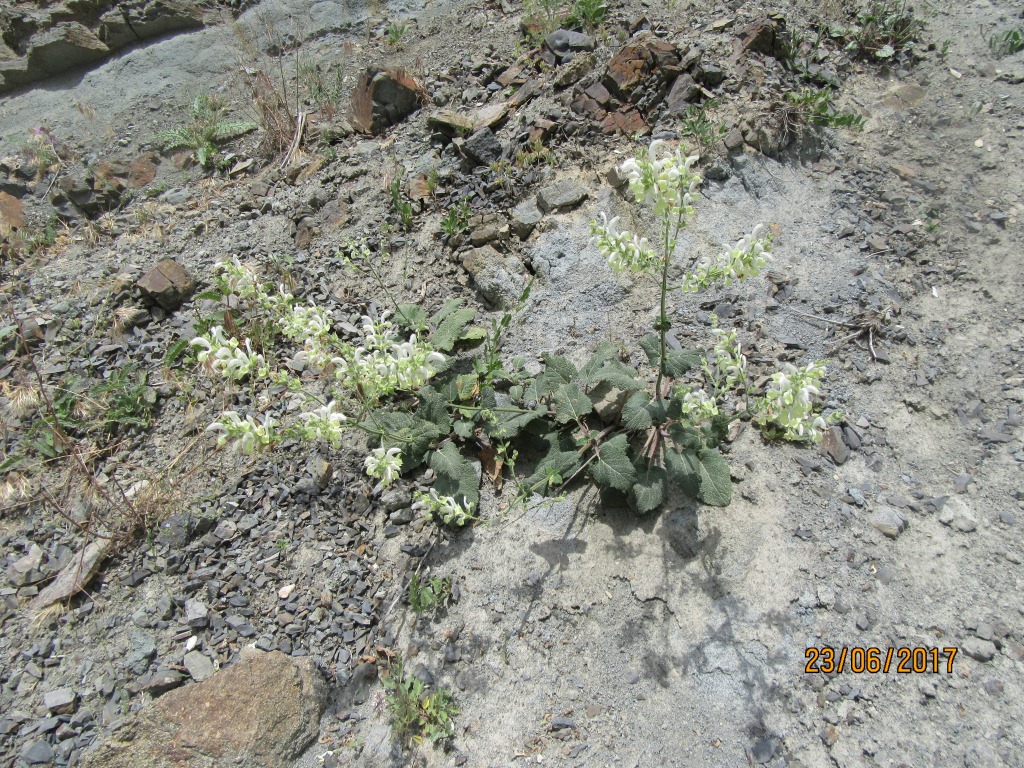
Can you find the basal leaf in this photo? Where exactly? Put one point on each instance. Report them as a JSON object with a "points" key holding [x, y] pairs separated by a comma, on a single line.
{"points": [[451, 329], [570, 404], [411, 434], [411, 316], [560, 366], [553, 470], [455, 475], [635, 416], [605, 351], [612, 466], [449, 307], [684, 471], [433, 409], [618, 375], [715, 484], [648, 492], [651, 344]]}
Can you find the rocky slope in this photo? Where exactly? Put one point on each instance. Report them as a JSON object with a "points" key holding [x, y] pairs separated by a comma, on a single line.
{"points": [[576, 632]]}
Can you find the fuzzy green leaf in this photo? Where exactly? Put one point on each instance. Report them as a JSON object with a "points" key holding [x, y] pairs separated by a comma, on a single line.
{"points": [[451, 328], [617, 375], [229, 129], [555, 468], [475, 333], [635, 416], [463, 428], [651, 344], [570, 404], [605, 351], [411, 316], [683, 470], [449, 307], [612, 467], [509, 425], [560, 367], [411, 434], [648, 492], [715, 484], [433, 409], [175, 352], [455, 475], [679, 361]]}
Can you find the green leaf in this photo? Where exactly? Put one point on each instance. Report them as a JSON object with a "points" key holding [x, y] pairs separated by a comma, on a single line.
{"points": [[679, 361], [651, 344], [449, 307], [648, 492], [463, 428], [617, 375], [411, 316], [175, 352], [467, 386], [557, 463], [605, 351], [571, 404], [635, 416], [456, 476], [411, 434], [451, 328], [509, 425], [683, 470], [433, 408], [475, 333], [612, 466], [715, 484], [560, 367]]}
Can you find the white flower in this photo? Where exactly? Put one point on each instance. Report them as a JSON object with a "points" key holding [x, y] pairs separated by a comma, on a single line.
{"points": [[664, 178], [445, 507], [789, 402], [383, 465], [623, 250], [698, 406], [746, 259], [325, 423], [729, 370], [224, 355], [248, 436]]}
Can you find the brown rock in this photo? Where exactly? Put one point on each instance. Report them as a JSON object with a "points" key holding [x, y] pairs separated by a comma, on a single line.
{"points": [[598, 93], [384, 98], [450, 123], [524, 94], [574, 70], [514, 74], [491, 116], [636, 62], [832, 443], [142, 170], [627, 120], [584, 105], [765, 36], [260, 713], [168, 284], [12, 213]]}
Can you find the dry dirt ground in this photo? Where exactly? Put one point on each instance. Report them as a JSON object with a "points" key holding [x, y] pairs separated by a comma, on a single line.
{"points": [[582, 634]]}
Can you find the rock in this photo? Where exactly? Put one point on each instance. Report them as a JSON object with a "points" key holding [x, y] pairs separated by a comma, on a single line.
{"points": [[626, 120], [564, 41], [574, 70], [978, 649], [168, 284], [888, 521], [142, 652], [162, 681], [263, 712], [561, 195], [483, 147], [765, 36], [196, 613], [636, 62], [384, 98], [525, 217], [61, 701], [76, 574], [958, 515], [684, 90], [38, 753], [834, 445], [450, 123], [497, 277], [198, 665], [175, 531]]}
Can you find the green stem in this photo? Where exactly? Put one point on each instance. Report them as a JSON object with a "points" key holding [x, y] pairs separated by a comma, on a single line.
{"points": [[670, 238]]}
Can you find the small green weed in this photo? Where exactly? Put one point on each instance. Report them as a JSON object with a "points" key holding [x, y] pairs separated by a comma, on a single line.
{"points": [[533, 154], [416, 713], [1007, 42], [698, 126], [811, 107], [588, 14], [207, 129], [402, 206], [428, 594], [456, 221], [882, 29], [395, 33]]}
